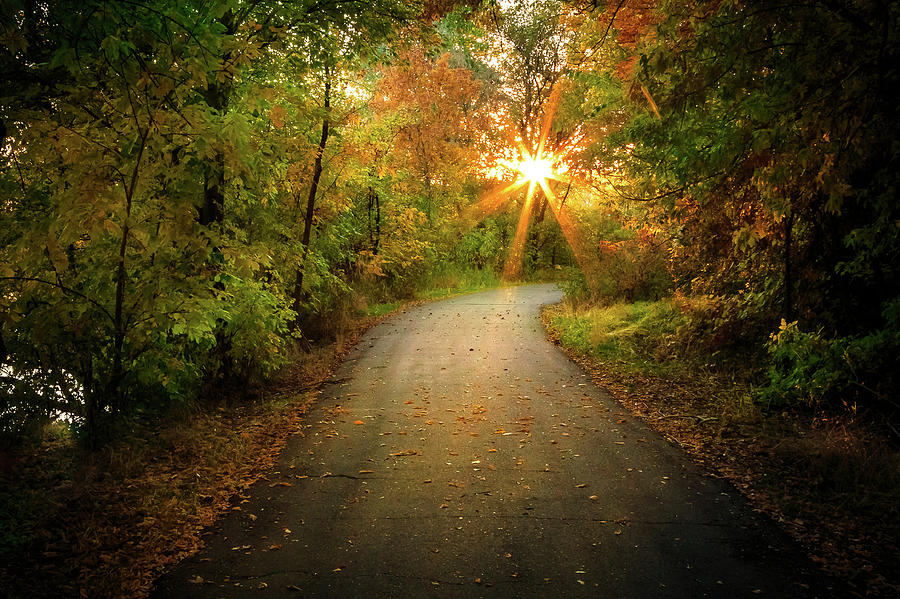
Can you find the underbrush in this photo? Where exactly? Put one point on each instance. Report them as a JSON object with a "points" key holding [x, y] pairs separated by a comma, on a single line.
{"points": [[107, 522], [453, 279], [829, 478]]}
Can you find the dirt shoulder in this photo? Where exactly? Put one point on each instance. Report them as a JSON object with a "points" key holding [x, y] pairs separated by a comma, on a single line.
{"points": [[828, 481]]}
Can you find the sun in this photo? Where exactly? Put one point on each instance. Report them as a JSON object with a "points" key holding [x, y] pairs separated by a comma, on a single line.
{"points": [[532, 170], [535, 170]]}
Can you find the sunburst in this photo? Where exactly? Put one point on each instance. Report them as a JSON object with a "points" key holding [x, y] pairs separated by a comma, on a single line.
{"points": [[536, 169]]}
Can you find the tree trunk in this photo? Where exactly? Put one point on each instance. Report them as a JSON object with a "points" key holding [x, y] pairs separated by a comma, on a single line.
{"points": [[313, 190], [374, 228], [218, 94], [213, 208], [788, 308]]}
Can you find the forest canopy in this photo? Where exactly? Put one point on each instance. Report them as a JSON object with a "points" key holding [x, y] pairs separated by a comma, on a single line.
{"points": [[193, 192]]}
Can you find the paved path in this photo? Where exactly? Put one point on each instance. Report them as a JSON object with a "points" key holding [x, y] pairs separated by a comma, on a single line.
{"points": [[457, 453]]}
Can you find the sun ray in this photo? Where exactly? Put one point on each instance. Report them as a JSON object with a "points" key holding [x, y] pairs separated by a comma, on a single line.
{"points": [[586, 259], [513, 268], [552, 104], [492, 201]]}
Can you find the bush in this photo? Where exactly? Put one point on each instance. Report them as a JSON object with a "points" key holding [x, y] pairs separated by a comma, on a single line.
{"points": [[851, 372], [805, 367]]}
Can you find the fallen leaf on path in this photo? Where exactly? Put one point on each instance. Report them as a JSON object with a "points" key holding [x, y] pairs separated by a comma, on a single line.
{"points": [[358, 422], [366, 472], [252, 516], [442, 506], [492, 450], [580, 486], [275, 547], [426, 481], [405, 452], [593, 498], [293, 587], [196, 580], [280, 484]]}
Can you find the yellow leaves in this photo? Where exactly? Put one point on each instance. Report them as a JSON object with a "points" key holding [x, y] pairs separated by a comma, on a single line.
{"points": [[57, 256], [276, 115], [112, 227]]}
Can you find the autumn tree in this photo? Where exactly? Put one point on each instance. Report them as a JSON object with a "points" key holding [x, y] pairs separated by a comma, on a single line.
{"points": [[765, 134], [126, 282]]}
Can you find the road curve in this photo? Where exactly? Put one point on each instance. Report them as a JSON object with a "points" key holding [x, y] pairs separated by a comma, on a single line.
{"points": [[458, 453]]}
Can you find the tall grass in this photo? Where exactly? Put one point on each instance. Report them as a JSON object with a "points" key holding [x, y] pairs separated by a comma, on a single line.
{"points": [[452, 278], [644, 334]]}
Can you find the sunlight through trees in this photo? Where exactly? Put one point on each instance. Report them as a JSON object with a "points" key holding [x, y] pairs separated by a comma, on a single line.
{"points": [[191, 191]]}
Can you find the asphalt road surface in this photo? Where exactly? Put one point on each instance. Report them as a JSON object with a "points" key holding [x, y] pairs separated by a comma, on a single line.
{"points": [[458, 453]]}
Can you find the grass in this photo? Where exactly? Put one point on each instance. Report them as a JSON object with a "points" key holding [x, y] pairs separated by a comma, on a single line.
{"points": [[379, 310], [830, 480], [456, 281]]}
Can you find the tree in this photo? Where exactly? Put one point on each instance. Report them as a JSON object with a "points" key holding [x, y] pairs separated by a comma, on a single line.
{"points": [[765, 133], [126, 283]]}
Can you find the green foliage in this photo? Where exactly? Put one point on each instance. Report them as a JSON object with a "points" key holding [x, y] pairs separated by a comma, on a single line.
{"points": [[853, 372], [152, 166], [805, 367], [483, 246], [764, 136]]}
